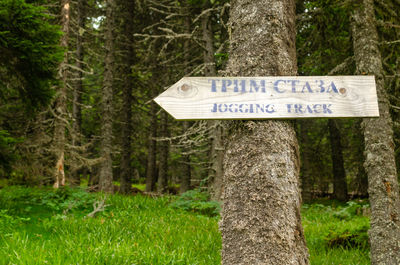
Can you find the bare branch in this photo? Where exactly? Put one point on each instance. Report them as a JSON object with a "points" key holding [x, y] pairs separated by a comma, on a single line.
{"points": [[98, 206]]}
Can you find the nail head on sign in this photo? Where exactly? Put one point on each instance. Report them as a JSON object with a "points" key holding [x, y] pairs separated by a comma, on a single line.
{"points": [[342, 90]]}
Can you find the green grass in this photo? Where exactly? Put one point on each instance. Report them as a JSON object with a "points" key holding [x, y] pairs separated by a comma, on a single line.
{"points": [[336, 234], [141, 187], [44, 226], [133, 230]]}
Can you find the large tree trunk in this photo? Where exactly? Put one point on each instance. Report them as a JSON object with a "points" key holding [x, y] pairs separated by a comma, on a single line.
{"points": [[383, 187], [260, 220], [78, 89], [106, 173], [339, 174], [127, 98], [216, 148], [61, 100]]}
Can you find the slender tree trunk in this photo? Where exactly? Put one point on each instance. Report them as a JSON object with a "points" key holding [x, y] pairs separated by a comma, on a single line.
{"points": [[216, 151], [106, 173], [339, 174], [361, 178], [78, 90], [306, 156], [186, 166], [151, 174], [383, 187], [208, 39], [216, 160], [126, 168], [61, 100], [164, 152], [260, 220], [152, 171]]}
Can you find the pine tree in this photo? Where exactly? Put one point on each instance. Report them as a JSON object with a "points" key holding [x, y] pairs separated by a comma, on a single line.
{"points": [[260, 220], [106, 172], [59, 139], [383, 186]]}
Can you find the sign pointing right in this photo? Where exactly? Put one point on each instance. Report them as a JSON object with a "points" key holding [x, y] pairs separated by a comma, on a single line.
{"points": [[240, 98]]}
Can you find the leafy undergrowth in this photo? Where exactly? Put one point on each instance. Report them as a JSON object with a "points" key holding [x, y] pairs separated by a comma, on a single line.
{"points": [[337, 233], [197, 202], [37, 228], [46, 226]]}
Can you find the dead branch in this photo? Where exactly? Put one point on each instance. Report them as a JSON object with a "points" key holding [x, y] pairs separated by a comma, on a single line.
{"points": [[98, 206], [341, 67]]}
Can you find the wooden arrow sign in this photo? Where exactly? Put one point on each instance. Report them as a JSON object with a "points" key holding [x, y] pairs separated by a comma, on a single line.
{"points": [[240, 98]]}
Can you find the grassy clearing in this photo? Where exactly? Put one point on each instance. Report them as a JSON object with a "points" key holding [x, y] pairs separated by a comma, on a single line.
{"points": [[133, 230], [43, 226]]}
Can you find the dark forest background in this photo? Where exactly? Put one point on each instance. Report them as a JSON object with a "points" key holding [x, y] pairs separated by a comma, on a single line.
{"points": [[77, 79]]}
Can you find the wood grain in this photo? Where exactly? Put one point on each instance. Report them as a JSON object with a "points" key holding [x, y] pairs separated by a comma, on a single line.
{"points": [[194, 98]]}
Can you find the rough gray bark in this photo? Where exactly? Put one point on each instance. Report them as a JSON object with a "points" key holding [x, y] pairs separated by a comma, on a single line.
{"points": [[383, 187], [78, 89], [106, 173], [127, 98], [260, 219], [61, 100], [162, 184], [216, 149], [306, 156], [339, 174]]}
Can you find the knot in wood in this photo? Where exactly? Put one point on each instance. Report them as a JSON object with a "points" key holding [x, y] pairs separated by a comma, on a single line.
{"points": [[186, 90]]}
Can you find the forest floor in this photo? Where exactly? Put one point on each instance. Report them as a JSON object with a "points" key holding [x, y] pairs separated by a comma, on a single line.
{"points": [[46, 226]]}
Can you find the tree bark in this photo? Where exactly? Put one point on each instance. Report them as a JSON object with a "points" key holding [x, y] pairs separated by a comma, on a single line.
{"points": [[383, 187], [78, 89], [61, 100], [260, 220], [162, 184], [106, 173], [127, 98], [339, 174]]}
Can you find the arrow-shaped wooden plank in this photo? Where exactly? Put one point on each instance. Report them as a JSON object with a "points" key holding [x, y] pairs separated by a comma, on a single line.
{"points": [[194, 98]]}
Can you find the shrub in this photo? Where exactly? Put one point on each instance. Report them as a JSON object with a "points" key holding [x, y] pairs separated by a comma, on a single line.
{"points": [[197, 201]]}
